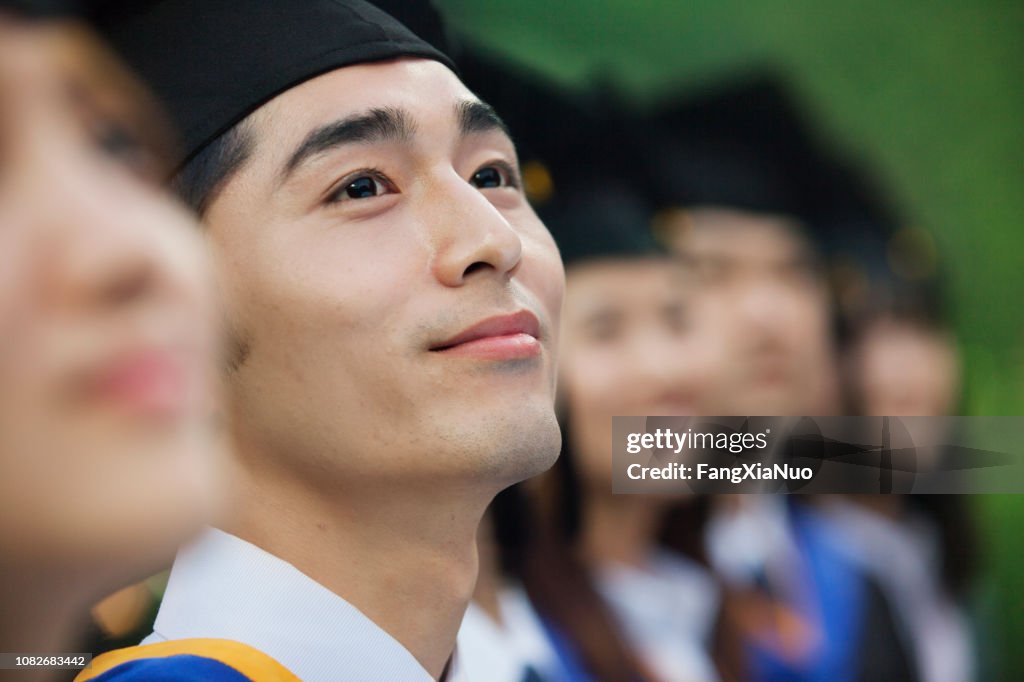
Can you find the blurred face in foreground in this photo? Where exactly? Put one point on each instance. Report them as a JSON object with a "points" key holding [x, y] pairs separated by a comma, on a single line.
{"points": [[628, 349], [393, 298], [107, 339], [761, 301]]}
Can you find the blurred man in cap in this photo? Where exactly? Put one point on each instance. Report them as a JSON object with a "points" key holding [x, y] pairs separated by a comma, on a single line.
{"points": [[738, 175], [739, 178], [393, 304]]}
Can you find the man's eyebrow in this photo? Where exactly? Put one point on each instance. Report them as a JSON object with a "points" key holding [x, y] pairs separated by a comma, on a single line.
{"points": [[478, 117], [376, 125]]}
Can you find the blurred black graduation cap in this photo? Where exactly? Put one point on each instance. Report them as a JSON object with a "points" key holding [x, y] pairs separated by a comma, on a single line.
{"points": [[599, 220], [748, 144], [741, 146], [40, 9], [553, 127], [604, 208], [572, 148]]}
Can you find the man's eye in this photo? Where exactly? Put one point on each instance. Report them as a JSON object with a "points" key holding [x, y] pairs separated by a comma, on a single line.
{"points": [[493, 176], [361, 187]]}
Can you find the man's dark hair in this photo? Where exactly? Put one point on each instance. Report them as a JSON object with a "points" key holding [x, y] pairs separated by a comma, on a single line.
{"points": [[198, 183], [204, 175]]}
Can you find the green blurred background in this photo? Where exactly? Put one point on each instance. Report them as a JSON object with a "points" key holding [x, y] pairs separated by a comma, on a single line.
{"points": [[930, 94]]}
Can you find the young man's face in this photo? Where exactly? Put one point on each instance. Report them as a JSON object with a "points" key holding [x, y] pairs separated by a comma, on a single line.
{"points": [[378, 222], [629, 349], [764, 305]]}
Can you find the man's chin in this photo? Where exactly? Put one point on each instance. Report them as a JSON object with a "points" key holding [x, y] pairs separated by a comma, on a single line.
{"points": [[541, 458], [520, 449]]}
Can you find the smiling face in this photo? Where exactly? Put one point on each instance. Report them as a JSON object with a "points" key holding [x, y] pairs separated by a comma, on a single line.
{"points": [[762, 299], [394, 298], [107, 339], [629, 349]]}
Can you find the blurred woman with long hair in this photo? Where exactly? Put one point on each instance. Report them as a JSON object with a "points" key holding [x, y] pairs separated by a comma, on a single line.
{"points": [[611, 602]]}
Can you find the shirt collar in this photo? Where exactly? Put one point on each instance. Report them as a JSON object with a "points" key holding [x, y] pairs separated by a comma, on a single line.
{"points": [[224, 587]]}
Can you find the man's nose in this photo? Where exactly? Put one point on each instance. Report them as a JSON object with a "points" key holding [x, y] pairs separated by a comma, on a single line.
{"points": [[765, 307], [471, 236]]}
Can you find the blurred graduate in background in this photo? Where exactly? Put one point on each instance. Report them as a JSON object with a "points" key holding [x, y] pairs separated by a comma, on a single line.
{"points": [[766, 222], [583, 590], [612, 603], [856, 587]]}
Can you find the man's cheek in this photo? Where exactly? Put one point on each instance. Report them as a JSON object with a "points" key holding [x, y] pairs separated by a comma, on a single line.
{"points": [[546, 279]]}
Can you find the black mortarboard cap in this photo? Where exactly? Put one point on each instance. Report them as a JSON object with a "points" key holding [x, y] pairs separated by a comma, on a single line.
{"points": [[744, 145], [39, 9], [595, 204], [601, 221], [213, 62], [422, 18], [748, 144], [603, 226], [555, 130]]}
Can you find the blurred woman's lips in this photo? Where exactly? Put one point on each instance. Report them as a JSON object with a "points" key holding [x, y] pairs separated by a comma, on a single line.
{"points": [[770, 372], [669, 403], [671, 409], [152, 382]]}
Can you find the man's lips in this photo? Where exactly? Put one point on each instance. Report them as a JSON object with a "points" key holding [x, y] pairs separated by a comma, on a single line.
{"points": [[504, 337]]}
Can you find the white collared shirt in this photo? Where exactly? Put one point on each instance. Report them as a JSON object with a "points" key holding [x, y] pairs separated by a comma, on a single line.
{"points": [[226, 588], [902, 556], [667, 611], [502, 652]]}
